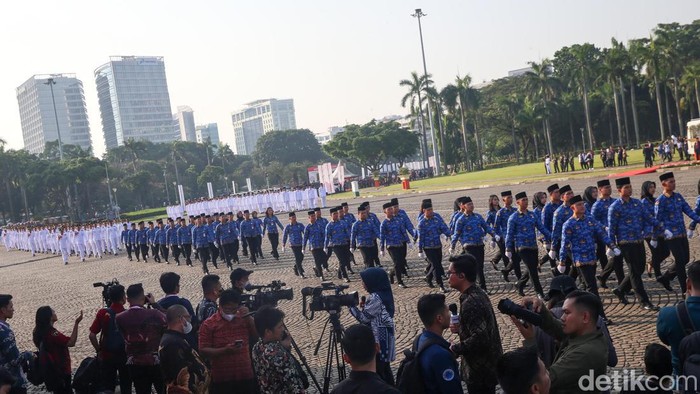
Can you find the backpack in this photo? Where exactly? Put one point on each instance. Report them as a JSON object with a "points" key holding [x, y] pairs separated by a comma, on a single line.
{"points": [[409, 377], [42, 369], [86, 378], [688, 349], [112, 340]]}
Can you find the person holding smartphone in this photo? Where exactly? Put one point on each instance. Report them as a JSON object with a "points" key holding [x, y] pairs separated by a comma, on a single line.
{"points": [[224, 339]]}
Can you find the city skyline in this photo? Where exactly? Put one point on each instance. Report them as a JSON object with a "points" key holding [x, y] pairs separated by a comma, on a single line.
{"points": [[338, 68]]}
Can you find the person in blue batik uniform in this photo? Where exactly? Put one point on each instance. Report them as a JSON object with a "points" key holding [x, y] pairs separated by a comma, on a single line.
{"points": [[659, 250], [670, 207], [363, 236], [372, 217], [521, 238], [494, 207], [500, 226], [315, 237], [171, 238], [160, 239], [400, 213], [469, 231], [250, 231], [627, 218], [456, 214], [126, 241], [393, 236], [184, 240], [600, 214], [430, 229], [259, 224], [547, 218], [152, 242], [338, 238], [561, 215], [200, 239], [590, 196], [577, 234], [294, 233], [227, 237], [378, 313], [142, 242], [270, 224]]}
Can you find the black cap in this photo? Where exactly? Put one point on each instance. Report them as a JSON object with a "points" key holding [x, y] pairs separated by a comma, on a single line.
{"points": [[292, 214], [312, 213], [426, 205], [564, 189], [361, 208], [462, 200], [520, 196], [573, 200], [620, 182], [230, 213], [239, 273], [564, 284], [150, 222], [394, 202], [387, 205], [603, 183], [427, 200], [552, 188], [666, 175], [246, 211], [202, 214], [506, 193], [208, 217], [333, 210], [317, 209], [339, 208], [344, 204], [141, 222], [467, 200]]}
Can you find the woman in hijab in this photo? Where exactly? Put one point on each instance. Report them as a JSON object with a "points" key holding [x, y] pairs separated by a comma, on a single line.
{"points": [[378, 313], [590, 196], [538, 202], [660, 251]]}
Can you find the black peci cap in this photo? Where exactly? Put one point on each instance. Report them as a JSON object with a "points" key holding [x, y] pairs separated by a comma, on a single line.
{"points": [[506, 193], [292, 214], [333, 210], [620, 182], [344, 204], [552, 188], [311, 213], [394, 202], [666, 175], [577, 198], [520, 195], [565, 189], [387, 205], [603, 183]]}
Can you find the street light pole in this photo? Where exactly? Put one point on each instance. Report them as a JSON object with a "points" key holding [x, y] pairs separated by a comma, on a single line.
{"points": [[418, 14], [51, 82], [109, 187], [165, 179], [116, 201]]}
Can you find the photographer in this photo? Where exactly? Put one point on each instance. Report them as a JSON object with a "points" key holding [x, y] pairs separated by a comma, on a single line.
{"points": [[583, 348], [276, 368], [170, 284], [239, 279], [224, 340], [110, 348], [378, 313]]}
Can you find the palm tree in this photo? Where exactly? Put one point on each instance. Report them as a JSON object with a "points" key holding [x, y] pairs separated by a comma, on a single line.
{"points": [[511, 105], [690, 78], [637, 54], [416, 91], [135, 148], [544, 87], [609, 73], [437, 102], [463, 86], [654, 68], [668, 36], [586, 57]]}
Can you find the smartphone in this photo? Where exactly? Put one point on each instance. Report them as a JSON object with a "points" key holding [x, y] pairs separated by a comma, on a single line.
{"points": [[238, 343]]}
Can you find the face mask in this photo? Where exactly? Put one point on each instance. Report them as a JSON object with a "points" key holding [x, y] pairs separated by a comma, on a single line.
{"points": [[228, 317], [561, 268], [187, 327]]}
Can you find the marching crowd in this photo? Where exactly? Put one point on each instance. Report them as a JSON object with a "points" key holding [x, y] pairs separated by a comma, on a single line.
{"points": [[206, 350]]}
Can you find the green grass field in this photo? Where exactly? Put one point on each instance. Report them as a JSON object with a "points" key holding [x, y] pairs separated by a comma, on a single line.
{"points": [[516, 174]]}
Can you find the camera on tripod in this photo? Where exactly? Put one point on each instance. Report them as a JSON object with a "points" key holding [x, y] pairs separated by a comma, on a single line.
{"points": [[268, 294], [331, 303], [105, 289], [525, 314]]}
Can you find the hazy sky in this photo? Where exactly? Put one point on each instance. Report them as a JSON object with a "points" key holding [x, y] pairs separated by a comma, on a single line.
{"points": [[340, 61]]}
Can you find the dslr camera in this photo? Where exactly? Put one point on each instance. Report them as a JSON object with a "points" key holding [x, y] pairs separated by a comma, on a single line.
{"points": [[105, 289], [330, 302], [268, 294], [525, 314]]}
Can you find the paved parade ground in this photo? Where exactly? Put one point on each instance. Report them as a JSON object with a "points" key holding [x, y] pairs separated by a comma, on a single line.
{"points": [[44, 280]]}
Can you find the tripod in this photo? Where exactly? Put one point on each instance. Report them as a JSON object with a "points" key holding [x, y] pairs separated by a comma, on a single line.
{"points": [[302, 360], [334, 349]]}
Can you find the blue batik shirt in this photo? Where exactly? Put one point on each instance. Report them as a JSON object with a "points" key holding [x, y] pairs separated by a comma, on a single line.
{"points": [[259, 223], [11, 359], [521, 231], [626, 221], [141, 237], [453, 220], [171, 235], [650, 206], [393, 232], [270, 224], [160, 236], [184, 235], [693, 224], [363, 234], [295, 234], [226, 233], [349, 219], [375, 220], [337, 234], [501, 223], [578, 238], [420, 216], [211, 228], [548, 214], [600, 210], [151, 235], [315, 235], [669, 212], [491, 217], [125, 237], [429, 231], [561, 215], [249, 229], [200, 236], [470, 230], [407, 222]]}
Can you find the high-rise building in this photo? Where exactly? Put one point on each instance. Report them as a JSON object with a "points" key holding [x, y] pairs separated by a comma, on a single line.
{"points": [[134, 100], [327, 136], [38, 118], [260, 117], [207, 132], [185, 120]]}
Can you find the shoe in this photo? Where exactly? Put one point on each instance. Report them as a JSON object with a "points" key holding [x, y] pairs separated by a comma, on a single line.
{"points": [[521, 289], [351, 271], [620, 296], [178, 263], [347, 280], [505, 275], [296, 271], [495, 265], [216, 266], [230, 267], [403, 286], [648, 306], [391, 277], [650, 269], [665, 283], [540, 296], [429, 282], [601, 282]]}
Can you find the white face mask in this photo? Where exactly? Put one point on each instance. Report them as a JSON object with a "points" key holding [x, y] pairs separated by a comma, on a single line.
{"points": [[228, 317], [561, 268], [187, 327]]}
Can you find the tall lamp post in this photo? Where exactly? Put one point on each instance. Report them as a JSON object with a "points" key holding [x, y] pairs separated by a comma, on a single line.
{"points": [[418, 14], [51, 82], [165, 179], [116, 201]]}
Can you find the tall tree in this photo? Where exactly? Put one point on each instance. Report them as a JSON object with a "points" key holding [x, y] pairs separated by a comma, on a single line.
{"points": [[414, 97], [542, 85]]}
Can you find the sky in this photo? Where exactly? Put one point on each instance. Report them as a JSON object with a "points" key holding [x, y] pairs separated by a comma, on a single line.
{"points": [[341, 61]]}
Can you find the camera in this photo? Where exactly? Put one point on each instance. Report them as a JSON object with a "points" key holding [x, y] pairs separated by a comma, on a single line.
{"points": [[333, 302], [268, 294], [105, 289], [525, 314]]}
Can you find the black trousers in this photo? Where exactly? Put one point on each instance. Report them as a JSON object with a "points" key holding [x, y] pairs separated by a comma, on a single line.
{"points": [[478, 252], [384, 372], [259, 245], [398, 257], [144, 251], [252, 242], [128, 250], [298, 258], [155, 249], [500, 255], [187, 253], [375, 252], [658, 255], [213, 252], [319, 261], [529, 257], [681, 255], [588, 273], [436, 271], [342, 252], [369, 255], [108, 376], [230, 252], [274, 243], [176, 252], [635, 257], [204, 257], [164, 252], [244, 245], [615, 265], [146, 377]]}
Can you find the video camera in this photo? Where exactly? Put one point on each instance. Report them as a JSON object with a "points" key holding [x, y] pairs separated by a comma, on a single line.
{"points": [[105, 289], [266, 295], [320, 302], [525, 314]]}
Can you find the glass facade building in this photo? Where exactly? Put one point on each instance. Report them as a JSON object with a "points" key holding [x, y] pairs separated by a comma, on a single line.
{"points": [[260, 117]]}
